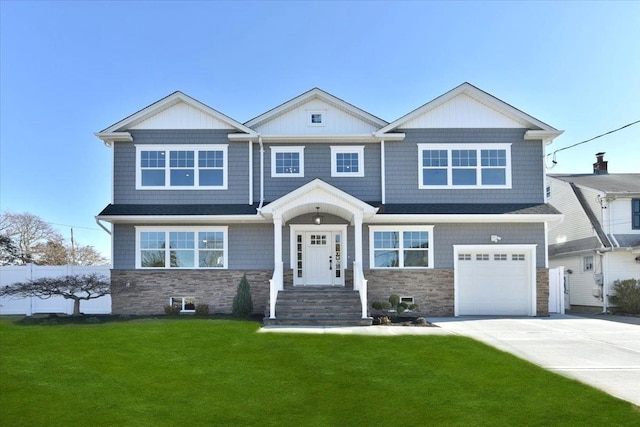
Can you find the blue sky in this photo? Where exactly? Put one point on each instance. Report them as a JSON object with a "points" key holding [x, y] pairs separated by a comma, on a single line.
{"points": [[69, 69]]}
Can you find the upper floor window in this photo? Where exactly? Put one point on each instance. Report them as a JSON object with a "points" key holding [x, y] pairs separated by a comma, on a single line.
{"points": [[347, 161], [181, 247], [401, 247], [635, 214], [287, 161], [181, 167], [464, 165], [587, 263]]}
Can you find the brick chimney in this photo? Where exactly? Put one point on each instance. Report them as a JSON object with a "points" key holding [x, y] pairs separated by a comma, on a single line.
{"points": [[600, 166]]}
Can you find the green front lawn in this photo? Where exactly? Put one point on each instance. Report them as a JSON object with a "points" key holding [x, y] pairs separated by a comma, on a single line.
{"points": [[220, 372]]}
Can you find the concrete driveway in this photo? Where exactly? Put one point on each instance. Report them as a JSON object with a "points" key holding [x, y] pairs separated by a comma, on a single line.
{"points": [[601, 353]]}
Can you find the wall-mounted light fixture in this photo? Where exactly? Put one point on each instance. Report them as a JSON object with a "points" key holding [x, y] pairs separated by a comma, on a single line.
{"points": [[317, 218], [638, 260]]}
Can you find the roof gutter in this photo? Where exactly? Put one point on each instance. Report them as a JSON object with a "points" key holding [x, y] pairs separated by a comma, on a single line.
{"points": [[102, 226]]}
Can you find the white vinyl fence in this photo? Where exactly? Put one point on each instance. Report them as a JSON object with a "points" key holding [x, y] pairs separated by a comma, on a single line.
{"points": [[10, 274], [556, 290]]}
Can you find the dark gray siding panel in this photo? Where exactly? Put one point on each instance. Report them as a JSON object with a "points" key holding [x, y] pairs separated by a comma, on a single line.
{"points": [[527, 167], [317, 164], [124, 247], [445, 236], [251, 247], [125, 169]]}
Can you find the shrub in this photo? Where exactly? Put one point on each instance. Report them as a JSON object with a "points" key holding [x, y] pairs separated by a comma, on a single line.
{"points": [[242, 302], [627, 296], [171, 310], [413, 307], [376, 305], [202, 309], [386, 305], [394, 300]]}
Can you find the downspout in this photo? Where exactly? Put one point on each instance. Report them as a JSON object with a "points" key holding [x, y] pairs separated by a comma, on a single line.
{"points": [[382, 173], [261, 172], [102, 226], [250, 172]]}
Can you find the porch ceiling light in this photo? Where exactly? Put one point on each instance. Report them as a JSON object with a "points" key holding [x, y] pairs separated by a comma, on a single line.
{"points": [[317, 218]]}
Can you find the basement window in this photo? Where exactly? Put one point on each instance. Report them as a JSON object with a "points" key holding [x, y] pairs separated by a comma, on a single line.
{"points": [[185, 304]]}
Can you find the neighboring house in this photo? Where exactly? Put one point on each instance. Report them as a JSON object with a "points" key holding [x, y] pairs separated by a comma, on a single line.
{"points": [[599, 240], [444, 207]]}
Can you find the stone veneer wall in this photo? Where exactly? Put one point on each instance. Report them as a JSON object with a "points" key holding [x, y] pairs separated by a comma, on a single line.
{"points": [[432, 290], [542, 292], [146, 292]]}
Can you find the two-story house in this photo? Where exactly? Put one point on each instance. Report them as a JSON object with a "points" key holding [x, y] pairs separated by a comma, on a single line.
{"points": [[599, 240], [444, 207]]}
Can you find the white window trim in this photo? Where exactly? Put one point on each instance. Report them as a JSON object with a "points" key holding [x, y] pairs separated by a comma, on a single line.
{"points": [[196, 230], [478, 147], [323, 114], [400, 229], [592, 263], [358, 149], [287, 149], [167, 169], [182, 309]]}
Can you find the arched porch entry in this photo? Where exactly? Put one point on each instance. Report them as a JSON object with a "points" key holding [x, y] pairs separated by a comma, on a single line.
{"points": [[317, 251]]}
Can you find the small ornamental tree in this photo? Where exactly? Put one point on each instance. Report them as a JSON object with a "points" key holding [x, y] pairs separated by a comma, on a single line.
{"points": [[76, 287], [242, 302]]}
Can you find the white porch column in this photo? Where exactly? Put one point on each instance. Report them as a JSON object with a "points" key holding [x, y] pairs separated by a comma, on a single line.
{"points": [[357, 233], [277, 239]]}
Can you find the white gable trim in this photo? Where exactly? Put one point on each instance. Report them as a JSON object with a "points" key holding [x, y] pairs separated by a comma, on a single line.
{"points": [[473, 92], [317, 193], [316, 93], [167, 102]]}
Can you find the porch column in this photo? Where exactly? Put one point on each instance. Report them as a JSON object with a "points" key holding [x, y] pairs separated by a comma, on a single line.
{"points": [[357, 233], [277, 240]]}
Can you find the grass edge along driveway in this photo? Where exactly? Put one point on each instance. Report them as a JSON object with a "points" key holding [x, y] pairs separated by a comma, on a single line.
{"points": [[219, 372]]}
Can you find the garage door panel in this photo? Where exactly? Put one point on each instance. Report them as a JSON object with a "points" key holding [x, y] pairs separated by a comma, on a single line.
{"points": [[494, 285]]}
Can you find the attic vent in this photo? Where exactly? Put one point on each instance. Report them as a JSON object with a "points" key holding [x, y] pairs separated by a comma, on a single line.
{"points": [[316, 118]]}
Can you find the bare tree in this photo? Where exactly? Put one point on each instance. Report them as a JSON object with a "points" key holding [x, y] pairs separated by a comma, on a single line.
{"points": [[27, 231], [78, 288], [31, 239]]}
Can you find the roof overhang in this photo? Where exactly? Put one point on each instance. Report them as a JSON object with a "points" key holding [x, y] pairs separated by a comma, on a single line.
{"points": [[333, 138], [464, 218], [547, 136], [110, 137], [181, 219]]}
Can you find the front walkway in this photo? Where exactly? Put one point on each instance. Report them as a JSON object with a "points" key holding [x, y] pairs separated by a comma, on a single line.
{"points": [[600, 353]]}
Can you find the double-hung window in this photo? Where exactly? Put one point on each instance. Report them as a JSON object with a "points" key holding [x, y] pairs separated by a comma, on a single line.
{"points": [[287, 161], [347, 161], [401, 247], [181, 247], [181, 167], [464, 165]]}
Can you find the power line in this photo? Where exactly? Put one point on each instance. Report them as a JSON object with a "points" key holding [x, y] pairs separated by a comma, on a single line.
{"points": [[590, 139], [74, 226]]}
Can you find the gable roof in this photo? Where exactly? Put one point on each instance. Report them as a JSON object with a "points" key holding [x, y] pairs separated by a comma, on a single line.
{"points": [[118, 131], [619, 184], [537, 129], [312, 94]]}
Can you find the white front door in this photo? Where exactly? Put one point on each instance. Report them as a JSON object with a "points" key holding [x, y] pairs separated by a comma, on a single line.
{"points": [[322, 258]]}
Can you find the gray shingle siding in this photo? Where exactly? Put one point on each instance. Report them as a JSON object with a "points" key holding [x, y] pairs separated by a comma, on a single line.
{"points": [[402, 167], [250, 247], [445, 236], [317, 164], [125, 169]]}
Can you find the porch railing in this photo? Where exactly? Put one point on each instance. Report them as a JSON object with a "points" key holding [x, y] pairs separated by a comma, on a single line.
{"points": [[276, 283], [360, 285]]}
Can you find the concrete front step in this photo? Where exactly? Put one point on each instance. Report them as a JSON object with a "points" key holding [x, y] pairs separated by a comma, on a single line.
{"points": [[316, 322], [318, 306]]}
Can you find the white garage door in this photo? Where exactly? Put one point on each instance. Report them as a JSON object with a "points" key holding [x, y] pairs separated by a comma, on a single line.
{"points": [[492, 281]]}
